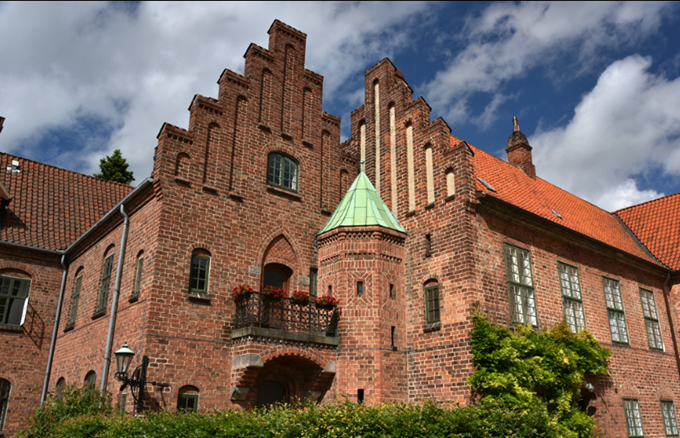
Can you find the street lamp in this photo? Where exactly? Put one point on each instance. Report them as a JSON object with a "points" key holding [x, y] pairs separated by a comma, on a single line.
{"points": [[137, 380]]}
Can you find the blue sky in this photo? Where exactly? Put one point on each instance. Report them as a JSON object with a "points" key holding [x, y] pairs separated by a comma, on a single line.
{"points": [[596, 86]]}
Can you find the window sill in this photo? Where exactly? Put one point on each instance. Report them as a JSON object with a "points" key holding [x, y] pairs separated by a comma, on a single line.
{"points": [[199, 297], [133, 298], [69, 327], [11, 328], [99, 314], [429, 206], [265, 128], [307, 144], [410, 213], [210, 189], [182, 181], [432, 327], [449, 198], [284, 193], [286, 137]]}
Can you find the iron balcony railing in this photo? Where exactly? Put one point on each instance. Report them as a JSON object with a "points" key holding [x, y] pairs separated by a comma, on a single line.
{"points": [[255, 310]]}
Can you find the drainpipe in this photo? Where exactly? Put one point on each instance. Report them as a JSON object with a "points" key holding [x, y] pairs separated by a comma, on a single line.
{"points": [[53, 342], [114, 305]]}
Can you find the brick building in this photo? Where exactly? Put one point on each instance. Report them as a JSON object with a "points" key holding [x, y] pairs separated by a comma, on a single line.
{"points": [[260, 191]]}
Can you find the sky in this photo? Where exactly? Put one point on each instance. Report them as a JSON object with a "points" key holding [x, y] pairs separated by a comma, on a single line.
{"points": [[596, 86]]}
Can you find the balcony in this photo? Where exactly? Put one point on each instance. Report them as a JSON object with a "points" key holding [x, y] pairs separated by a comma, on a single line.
{"points": [[258, 316]]}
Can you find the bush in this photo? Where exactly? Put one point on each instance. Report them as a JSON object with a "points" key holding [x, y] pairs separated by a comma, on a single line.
{"points": [[528, 370], [75, 412]]}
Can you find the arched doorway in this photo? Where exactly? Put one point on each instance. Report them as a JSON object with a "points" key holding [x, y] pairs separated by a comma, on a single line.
{"points": [[269, 393], [277, 275]]}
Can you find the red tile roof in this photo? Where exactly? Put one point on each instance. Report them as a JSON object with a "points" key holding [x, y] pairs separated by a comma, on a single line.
{"points": [[657, 224], [52, 207], [539, 197]]}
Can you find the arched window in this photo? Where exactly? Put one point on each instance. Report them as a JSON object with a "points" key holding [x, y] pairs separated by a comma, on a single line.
{"points": [[187, 398], [4, 399], [105, 281], [269, 393], [13, 299], [138, 275], [61, 384], [282, 171], [432, 301], [200, 268], [75, 298], [90, 379]]}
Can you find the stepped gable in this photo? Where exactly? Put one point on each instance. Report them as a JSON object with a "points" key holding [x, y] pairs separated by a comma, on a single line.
{"points": [[538, 196], [51, 207], [362, 207], [657, 224]]}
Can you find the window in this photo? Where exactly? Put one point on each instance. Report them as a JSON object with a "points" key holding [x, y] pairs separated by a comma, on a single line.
{"points": [[90, 379], [282, 172], [61, 384], [520, 285], [187, 399], [432, 303], [360, 288], [74, 302], [428, 244], [4, 399], [651, 319], [617, 319], [633, 418], [138, 276], [670, 422], [571, 297], [276, 275], [105, 282], [200, 267], [13, 300], [393, 292], [313, 273]]}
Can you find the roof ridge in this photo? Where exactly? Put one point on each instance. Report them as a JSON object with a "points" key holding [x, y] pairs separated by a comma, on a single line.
{"points": [[67, 170], [646, 202]]}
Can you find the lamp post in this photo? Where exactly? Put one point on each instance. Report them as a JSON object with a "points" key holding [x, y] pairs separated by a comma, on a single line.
{"points": [[137, 380]]}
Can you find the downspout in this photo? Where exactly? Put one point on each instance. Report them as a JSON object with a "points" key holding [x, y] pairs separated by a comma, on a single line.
{"points": [[670, 320], [114, 305], [53, 342]]}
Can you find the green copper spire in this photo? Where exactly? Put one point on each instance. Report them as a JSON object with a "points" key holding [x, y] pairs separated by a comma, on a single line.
{"points": [[362, 207]]}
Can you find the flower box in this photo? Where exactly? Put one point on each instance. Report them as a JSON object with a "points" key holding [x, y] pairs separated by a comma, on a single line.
{"points": [[327, 302], [299, 298]]}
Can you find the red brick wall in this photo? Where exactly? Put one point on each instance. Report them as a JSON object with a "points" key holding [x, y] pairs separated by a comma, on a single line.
{"points": [[24, 353]]}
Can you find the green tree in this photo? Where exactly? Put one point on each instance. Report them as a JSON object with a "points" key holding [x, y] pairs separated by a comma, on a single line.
{"points": [[114, 168]]}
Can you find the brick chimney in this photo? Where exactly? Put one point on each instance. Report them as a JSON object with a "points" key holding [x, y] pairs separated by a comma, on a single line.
{"points": [[519, 151]]}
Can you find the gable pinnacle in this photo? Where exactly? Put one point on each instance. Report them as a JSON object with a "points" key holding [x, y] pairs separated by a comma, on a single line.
{"points": [[515, 125], [362, 165]]}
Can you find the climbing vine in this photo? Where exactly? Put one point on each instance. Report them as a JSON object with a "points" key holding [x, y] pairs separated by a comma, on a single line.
{"points": [[524, 369]]}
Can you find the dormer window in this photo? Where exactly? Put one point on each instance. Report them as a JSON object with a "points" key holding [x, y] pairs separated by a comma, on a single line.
{"points": [[282, 171]]}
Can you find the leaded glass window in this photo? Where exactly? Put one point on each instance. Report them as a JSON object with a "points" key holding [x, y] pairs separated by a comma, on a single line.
{"points": [[651, 319], [105, 283], [670, 422], [13, 299], [520, 285], [633, 418], [74, 302], [571, 297], [282, 172], [617, 318], [432, 303], [138, 277], [198, 281]]}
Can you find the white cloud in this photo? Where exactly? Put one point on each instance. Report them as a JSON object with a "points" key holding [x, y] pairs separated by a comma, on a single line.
{"points": [[508, 39], [628, 125], [131, 70]]}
